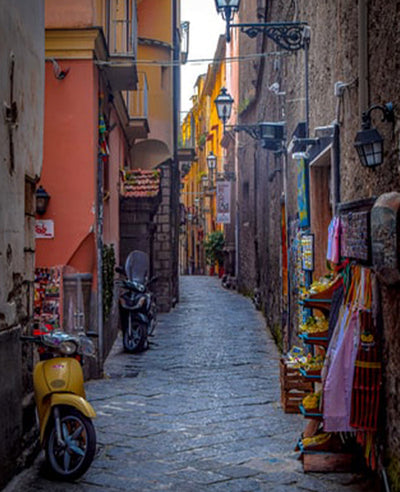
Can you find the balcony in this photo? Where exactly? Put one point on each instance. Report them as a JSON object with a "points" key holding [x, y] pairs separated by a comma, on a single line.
{"points": [[121, 33], [137, 105]]}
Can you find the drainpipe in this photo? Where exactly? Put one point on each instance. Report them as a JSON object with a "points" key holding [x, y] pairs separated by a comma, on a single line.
{"points": [[175, 190], [99, 244], [362, 57]]}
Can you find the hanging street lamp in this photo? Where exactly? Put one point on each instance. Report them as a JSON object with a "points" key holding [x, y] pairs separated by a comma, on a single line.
{"points": [[368, 141], [224, 102]]}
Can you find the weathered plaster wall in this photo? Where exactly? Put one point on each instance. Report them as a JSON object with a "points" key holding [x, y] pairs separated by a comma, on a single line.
{"points": [[333, 57], [22, 34]]}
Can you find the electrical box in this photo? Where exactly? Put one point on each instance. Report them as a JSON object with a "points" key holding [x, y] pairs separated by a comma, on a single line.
{"points": [[385, 236]]}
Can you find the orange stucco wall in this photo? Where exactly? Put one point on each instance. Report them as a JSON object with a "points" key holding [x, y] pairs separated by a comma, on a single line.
{"points": [[74, 13], [116, 162], [69, 165], [156, 24]]}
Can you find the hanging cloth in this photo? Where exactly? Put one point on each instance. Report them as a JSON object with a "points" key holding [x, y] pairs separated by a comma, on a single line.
{"points": [[339, 380], [368, 369], [337, 376]]}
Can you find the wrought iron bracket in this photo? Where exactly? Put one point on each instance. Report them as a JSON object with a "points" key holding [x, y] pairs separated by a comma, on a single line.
{"points": [[290, 36], [252, 130]]}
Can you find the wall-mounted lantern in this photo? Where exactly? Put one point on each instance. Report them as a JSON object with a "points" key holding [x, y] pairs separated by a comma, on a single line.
{"points": [[368, 141], [212, 164], [224, 102], [272, 134], [42, 200]]}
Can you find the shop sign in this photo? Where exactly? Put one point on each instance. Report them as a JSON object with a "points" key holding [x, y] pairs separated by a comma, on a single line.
{"points": [[223, 202], [302, 193], [355, 235], [44, 229], [307, 252]]}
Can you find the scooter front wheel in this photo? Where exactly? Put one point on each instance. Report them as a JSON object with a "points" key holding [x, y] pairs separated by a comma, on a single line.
{"points": [[135, 335], [71, 458]]}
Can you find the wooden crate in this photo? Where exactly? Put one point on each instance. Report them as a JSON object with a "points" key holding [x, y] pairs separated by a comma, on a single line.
{"points": [[324, 462], [294, 388]]}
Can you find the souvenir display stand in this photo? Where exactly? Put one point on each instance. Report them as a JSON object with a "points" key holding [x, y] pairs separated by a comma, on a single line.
{"points": [[320, 451], [341, 331]]}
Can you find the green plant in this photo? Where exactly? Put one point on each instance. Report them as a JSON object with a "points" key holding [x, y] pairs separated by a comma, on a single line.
{"points": [[202, 140], [214, 248], [108, 278]]}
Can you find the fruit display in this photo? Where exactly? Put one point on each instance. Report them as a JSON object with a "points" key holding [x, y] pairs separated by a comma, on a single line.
{"points": [[312, 401], [314, 325], [320, 285], [313, 365], [317, 441]]}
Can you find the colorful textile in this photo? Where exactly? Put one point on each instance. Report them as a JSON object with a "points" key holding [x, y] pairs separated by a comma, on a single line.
{"points": [[339, 380], [367, 378]]}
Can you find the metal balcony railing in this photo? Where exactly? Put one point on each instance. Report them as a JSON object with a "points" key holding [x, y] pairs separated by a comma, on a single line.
{"points": [[122, 28]]}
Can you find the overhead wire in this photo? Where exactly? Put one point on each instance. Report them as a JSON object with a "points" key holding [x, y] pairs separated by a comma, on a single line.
{"points": [[200, 61]]}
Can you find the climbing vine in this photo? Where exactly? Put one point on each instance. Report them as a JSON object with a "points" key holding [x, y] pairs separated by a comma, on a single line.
{"points": [[108, 278]]}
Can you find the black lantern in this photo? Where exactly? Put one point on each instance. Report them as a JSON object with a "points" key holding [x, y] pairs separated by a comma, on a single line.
{"points": [[368, 141], [211, 161], [227, 7], [212, 164], [224, 102], [42, 200]]}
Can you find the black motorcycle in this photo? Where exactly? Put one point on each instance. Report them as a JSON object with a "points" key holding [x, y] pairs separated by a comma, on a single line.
{"points": [[137, 305]]}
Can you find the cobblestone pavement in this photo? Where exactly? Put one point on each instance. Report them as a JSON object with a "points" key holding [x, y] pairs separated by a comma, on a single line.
{"points": [[199, 411]]}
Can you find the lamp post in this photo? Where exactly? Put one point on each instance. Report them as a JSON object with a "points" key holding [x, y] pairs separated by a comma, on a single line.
{"points": [[368, 141]]}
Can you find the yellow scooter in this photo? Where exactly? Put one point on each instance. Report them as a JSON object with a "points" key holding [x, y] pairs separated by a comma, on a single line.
{"points": [[66, 430]]}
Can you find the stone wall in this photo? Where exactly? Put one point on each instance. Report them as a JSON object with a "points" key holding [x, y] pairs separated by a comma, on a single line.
{"points": [[21, 89], [333, 57], [165, 256]]}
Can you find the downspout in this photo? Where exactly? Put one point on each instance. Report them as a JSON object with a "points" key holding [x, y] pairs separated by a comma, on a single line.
{"points": [[175, 189], [99, 245], [362, 57]]}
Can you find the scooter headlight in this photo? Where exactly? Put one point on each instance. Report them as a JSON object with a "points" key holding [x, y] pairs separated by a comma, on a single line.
{"points": [[67, 348]]}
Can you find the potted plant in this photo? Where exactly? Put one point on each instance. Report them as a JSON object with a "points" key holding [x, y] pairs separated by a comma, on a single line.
{"points": [[213, 247]]}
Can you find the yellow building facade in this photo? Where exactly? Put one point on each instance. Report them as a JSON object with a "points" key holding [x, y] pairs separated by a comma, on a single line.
{"points": [[204, 130]]}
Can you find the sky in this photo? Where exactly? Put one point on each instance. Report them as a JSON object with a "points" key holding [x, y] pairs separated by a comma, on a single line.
{"points": [[205, 27]]}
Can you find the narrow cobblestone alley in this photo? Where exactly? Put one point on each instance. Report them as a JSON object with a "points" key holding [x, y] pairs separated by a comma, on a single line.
{"points": [[198, 411]]}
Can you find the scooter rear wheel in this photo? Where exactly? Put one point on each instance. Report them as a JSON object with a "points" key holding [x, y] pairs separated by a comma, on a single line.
{"points": [[70, 460], [135, 335]]}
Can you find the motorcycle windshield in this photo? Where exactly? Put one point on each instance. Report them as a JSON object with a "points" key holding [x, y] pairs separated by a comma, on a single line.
{"points": [[137, 266]]}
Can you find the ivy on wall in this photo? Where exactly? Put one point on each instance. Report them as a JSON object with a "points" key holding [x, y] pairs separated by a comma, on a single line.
{"points": [[108, 278]]}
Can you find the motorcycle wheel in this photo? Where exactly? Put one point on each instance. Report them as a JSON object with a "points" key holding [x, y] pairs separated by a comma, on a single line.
{"points": [[69, 461], [135, 335]]}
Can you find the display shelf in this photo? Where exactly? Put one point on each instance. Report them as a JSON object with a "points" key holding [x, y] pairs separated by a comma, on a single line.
{"points": [[314, 339], [313, 377], [313, 414]]}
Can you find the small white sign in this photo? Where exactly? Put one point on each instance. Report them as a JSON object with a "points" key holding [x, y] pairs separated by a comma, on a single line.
{"points": [[44, 229]]}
